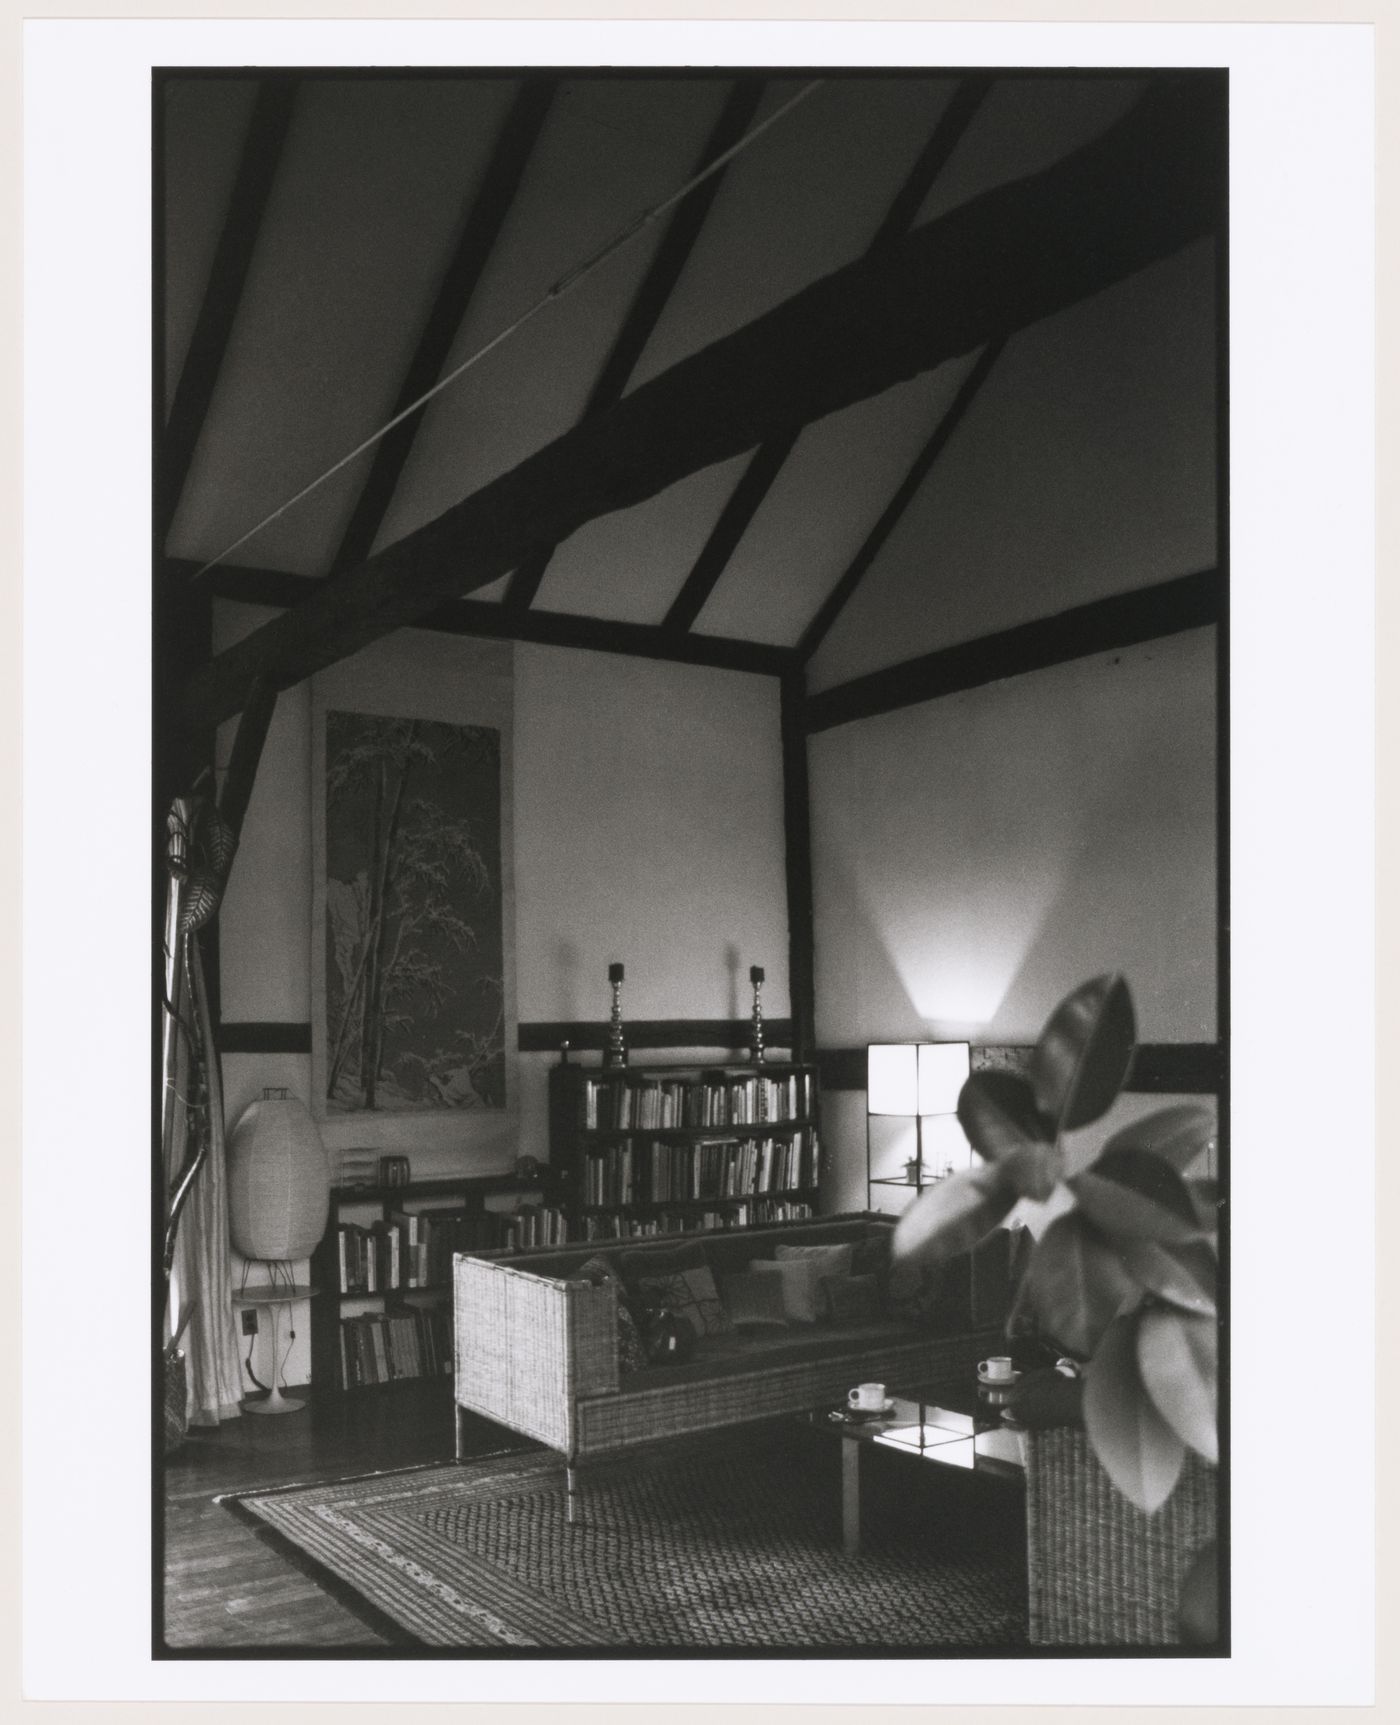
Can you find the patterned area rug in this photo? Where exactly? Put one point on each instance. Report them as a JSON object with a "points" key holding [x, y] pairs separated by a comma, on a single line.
{"points": [[715, 1547]]}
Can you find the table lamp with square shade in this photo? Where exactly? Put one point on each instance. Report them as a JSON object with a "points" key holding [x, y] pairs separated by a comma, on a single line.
{"points": [[918, 1081]]}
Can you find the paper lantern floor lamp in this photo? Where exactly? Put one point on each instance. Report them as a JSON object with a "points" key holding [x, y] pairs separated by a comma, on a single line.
{"points": [[278, 1203]]}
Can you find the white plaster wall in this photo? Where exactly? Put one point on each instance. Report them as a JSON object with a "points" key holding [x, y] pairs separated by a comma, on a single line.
{"points": [[977, 857], [648, 828]]}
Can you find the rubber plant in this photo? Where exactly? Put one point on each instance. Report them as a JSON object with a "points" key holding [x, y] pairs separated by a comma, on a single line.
{"points": [[1123, 1278]]}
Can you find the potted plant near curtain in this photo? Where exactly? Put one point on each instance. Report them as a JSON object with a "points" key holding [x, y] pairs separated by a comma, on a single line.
{"points": [[1123, 1278]]}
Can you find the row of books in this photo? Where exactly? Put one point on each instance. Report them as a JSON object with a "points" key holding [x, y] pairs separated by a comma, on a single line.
{"points": [[617, 1102], [537, 1225], [414, 1249], [402, 1342], [661, 1171], [745, 1214]]}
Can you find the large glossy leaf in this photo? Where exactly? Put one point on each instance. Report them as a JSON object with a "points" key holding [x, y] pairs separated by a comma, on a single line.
{"points": [[1140, 1452], [953, 1216], [1176, 1358], [997, 1111], [1078, 1066], [1033, 1171], [1134, 1195], [1179, 1135], [1075, 1284], [1184, 1275]]}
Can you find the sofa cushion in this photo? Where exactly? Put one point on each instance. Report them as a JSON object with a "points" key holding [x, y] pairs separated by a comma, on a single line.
{"points": [[691, 1293], [851, 1299], [797, 1278], [827, 1261], [870, 1255], [917, 1293], [753, 1300], [729, 1252]]}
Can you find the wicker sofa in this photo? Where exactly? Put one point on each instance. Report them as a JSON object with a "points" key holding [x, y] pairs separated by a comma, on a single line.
{"points": [[536, 1348]]}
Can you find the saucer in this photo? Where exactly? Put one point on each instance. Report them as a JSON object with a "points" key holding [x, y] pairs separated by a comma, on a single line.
{"points": [[870, 1413], [998, 1383]]}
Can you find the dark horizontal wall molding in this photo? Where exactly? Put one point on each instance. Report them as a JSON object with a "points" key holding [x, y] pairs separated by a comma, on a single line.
{"points": [[483, 617], [546, 1036], [1178, 1068], [1125, 620], [269, 1038], [1163, 1068]]}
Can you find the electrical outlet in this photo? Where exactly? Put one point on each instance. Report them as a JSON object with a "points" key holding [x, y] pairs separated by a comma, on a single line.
{"points": [[250, 1320]]}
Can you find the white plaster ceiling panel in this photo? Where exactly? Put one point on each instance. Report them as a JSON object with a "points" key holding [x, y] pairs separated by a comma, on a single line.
{"points": [[360, 223], [804, 199], [609, 150], [206, 120], [830, 493], [629, 565], [1023, 126], [1005, 528]]}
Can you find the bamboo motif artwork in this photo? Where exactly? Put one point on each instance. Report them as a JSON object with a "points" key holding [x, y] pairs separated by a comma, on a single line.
{"points": [[415, 1000]]}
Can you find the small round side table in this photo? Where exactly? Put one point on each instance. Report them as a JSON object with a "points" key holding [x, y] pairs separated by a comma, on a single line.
{"points": [[276, 1295]]}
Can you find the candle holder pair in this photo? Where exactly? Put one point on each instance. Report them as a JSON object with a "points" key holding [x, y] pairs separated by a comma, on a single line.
{"points": [[615, 1048]]}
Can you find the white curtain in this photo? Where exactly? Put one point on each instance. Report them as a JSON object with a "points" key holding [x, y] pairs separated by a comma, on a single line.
{"points": [[193, 1104]]}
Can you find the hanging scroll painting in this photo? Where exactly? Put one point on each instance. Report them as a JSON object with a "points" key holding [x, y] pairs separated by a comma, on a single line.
{"points": [[414, 1012]]}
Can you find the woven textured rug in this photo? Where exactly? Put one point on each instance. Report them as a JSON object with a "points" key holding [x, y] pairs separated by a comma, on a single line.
{"points": [[707, 1547]]}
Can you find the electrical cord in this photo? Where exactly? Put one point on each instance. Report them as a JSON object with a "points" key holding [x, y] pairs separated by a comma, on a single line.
{"points": [[278, 1276]]}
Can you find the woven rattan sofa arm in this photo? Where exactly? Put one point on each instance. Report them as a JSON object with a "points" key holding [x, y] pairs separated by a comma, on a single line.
{"points": [[1101, 1572], [526, 1347]]}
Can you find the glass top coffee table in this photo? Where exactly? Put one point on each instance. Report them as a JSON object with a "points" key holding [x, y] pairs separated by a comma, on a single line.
{"points": [[954, 1424]]}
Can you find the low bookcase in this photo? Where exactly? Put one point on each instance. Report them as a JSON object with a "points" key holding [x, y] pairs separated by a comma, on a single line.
{"points": [[641, 1150], [384, 1266]]}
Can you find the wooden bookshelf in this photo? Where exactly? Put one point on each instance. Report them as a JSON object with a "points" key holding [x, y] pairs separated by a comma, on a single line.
{"points": [[386, 1286], [641, 1150]]}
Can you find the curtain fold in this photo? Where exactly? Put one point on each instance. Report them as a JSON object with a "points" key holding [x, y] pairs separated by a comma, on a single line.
{"points": [[192, 1111]]}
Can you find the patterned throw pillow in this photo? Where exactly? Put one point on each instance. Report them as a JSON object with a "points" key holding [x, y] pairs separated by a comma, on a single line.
{"points": [[754, 1301], [692, 1293], [631, 1355], [851, 1299]]}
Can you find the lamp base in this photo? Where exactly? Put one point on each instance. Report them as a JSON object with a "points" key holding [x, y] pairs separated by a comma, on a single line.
{"points": [[275, 1403]]}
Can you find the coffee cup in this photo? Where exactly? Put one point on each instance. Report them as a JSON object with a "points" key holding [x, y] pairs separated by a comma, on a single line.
{"points": [[996, 1370], [866, 1398]]}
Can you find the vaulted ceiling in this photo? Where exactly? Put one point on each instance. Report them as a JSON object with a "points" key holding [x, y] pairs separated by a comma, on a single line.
{"points": [[757, 426]]}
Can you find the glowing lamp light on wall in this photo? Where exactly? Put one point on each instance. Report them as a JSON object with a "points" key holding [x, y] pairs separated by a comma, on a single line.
{"points": [[919, 1081]]}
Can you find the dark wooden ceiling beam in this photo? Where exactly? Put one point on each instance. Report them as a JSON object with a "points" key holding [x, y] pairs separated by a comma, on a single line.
{"points": [[762, 472], [257, 168], [1104, 625], [519, 133], [251, 586], [831, 607], [651, 297], [1149, 185]]}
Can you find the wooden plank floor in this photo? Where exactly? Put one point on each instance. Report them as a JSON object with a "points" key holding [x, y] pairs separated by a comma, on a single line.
{"points": [[228, 1588]]}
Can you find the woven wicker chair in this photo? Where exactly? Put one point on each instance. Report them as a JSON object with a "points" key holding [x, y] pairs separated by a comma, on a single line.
{"points": [[1101, 1572]]}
